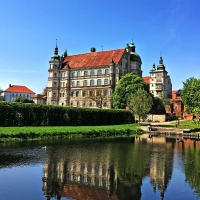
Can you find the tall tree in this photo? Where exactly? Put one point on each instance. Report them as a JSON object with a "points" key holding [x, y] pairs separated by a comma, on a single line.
{"points": [[127, 85], [190, 95], [140, 102], [99, 96]]}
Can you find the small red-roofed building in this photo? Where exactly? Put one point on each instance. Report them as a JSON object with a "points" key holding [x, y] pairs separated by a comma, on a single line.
{"points": [[146, 79], [39, 99], [15, 91], [72, 78]]}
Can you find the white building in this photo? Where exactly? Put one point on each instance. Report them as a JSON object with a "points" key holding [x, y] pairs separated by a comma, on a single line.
{"points": [[15, 91]]}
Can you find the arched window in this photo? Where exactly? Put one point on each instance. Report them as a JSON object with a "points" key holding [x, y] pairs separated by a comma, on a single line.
{"points": [[63, 84], [73, 83], [85, 83], [77, 94], [83, 104], [72, 94], [106, 71], [99, 72], [73, 74], [92, 72], [78, 83], [85, 73], [54, 84], [91, 82], [78, 73], [54, 94], [63, 94], [54, 74], [77, 103], [99, 82], [105, 81], [106, 92], [72, 103], [84, 93]]}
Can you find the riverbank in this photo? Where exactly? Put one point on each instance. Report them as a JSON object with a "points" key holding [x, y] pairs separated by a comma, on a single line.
{"points": [[40, 132], [184, 128]]}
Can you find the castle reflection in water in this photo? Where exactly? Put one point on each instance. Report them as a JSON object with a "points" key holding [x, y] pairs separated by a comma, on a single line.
{"points": [[91, 172]]}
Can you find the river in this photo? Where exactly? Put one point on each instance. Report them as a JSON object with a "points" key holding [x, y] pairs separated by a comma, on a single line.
{"points": [[101, 169]]}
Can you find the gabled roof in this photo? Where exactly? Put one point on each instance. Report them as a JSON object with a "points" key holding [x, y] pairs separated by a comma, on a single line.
{"points": [[93, 59], [146, 79], [19, 88]]}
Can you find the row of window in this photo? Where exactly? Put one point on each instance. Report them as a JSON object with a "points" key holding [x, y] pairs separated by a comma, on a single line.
{"points": [[91, 93], [20, 95], [92, 73], [84, 93], [91, 103], [85, 83], [85, 73], [92, 83]]}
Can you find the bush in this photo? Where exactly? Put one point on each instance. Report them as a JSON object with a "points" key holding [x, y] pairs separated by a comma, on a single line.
{"points": [[20, 114]]}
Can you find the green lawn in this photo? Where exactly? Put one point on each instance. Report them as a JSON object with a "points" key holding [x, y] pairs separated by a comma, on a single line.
{"points": [[27, 132]]}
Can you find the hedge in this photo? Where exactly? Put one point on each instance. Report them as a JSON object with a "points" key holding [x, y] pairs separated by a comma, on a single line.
{"points": [[25, 114]]}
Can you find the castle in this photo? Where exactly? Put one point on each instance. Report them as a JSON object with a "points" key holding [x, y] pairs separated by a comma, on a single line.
{"points": [[89, 79]]}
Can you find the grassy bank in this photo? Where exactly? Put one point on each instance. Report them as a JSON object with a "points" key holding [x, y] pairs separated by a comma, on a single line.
{"points": [[38, 132]]}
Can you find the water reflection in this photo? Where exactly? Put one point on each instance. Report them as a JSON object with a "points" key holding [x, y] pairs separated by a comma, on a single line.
{"points": [[115, 169]]}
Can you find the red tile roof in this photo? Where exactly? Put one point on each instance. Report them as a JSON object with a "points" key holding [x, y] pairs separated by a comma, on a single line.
{"points": [[19, 88], [39, 96], [85, 192], [146, 79], [94, 59]]}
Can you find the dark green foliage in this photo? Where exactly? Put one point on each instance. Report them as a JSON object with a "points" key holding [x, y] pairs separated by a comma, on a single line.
{"points": [[127, 85], [158, 106], [23, 100], [20, 114]]}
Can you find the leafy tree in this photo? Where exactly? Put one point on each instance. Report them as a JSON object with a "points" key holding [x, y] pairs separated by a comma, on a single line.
{"points": [[23, 100], [99, 96], [128, 84], [190, 95], [140, 103]]}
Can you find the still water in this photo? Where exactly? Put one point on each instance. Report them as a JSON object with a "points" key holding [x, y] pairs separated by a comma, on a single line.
{"points": [[101, 169]]}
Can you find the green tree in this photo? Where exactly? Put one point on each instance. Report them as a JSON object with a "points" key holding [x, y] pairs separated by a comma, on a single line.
{"points": [[127, 85], [140, 103], [2, 98], [190, 95], [23, 100], [99, 96]]}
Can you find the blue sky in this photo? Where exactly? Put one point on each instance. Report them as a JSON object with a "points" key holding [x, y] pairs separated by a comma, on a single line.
{"points": [[29, 29]]}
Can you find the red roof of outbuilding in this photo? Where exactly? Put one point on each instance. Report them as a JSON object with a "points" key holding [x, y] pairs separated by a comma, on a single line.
{"points": [[19, 88], [146, 79], [174, 94], [39, 96], [94, 59]]}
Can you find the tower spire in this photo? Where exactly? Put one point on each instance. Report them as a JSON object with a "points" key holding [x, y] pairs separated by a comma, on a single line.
{"points": [[56, 49]]}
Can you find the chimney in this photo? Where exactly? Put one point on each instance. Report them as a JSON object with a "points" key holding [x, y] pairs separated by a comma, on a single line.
{"points": [[10, 85]]}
